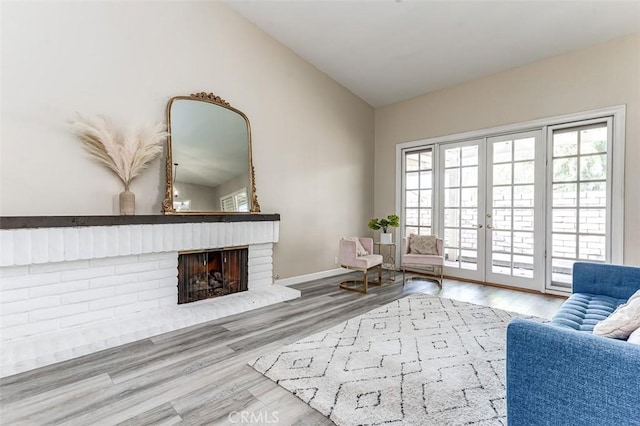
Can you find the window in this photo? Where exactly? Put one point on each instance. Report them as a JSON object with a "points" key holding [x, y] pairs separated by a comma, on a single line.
{"points": [[580, 198], [460, 191], [418, 192]]}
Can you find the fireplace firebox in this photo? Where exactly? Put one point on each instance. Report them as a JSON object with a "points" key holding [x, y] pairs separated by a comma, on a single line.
{"points": [[212, 273]]}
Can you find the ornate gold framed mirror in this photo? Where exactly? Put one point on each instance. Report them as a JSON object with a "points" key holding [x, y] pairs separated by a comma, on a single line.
{"points": [[209, 164]]}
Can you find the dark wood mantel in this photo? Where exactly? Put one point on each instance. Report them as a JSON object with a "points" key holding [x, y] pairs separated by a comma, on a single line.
{"points": [[23, 222]]}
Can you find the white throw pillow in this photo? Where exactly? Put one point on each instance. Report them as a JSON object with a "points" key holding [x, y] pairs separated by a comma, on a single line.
{"points": [[635, 337], [360, 250], [622, 322]]}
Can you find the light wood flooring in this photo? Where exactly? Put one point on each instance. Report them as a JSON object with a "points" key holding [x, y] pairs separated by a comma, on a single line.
{"points": [[199, 375]]}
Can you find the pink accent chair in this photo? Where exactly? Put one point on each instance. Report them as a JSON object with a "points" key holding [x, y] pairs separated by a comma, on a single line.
{"points": [[418, 263], [349, 259]]}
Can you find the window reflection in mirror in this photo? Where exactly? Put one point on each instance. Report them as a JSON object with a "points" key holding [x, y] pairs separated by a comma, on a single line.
{"points": [[235, 202], [210, 155]]}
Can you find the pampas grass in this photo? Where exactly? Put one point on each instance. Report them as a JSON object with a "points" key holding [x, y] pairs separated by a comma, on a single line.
{"points": [[125, 154]]}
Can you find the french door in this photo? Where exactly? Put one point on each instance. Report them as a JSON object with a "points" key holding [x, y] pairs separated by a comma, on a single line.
{"points": [[461, 204], [515, 210], [519, 207], [491, 196]]}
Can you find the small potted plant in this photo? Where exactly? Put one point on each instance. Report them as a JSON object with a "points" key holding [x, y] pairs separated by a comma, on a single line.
{"points": [[377, 224]]}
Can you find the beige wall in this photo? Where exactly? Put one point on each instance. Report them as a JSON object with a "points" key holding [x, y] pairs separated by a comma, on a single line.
{"points": [[312, 138], [597, 77]]}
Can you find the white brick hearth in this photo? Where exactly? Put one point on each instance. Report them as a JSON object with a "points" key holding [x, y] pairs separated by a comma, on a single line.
{"points": [[67, 292]]}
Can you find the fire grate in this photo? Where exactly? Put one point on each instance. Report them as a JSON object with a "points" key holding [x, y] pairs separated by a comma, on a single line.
{"points": [[212, 273]]}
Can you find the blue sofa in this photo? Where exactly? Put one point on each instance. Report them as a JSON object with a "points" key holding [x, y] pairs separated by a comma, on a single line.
{"points": [[559, 373]]}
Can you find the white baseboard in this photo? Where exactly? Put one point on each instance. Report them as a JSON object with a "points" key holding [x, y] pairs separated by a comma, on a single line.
{"points": [[310, 277], [562, 292]]}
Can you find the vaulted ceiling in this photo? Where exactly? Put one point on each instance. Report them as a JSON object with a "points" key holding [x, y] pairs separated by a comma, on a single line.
{"points": [[388, 51]]}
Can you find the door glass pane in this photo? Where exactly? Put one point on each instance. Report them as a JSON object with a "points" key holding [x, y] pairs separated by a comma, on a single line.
{"points": [[523, 243], [502, 174], [452, 237], [468, 218], [469, 197], [425, 217], [593, 194], [564, 194], [593, 221], [523, 266], [501, 241], [593, 167], [502, 218], [470, 155], [565, 143], [426, 160], [451, 257], [593, 140], [524, 149], [469, 238], [563, 245], [452, 197], [469, 259], [452, 157], [469, 176], [561, 270], [523, 195], [411, 217], [502, 196], [565, 169], [564, 220], [411, 198], [523, 219], [452, 217], [592, 247], [412, 162], [502, 152], [426, 180], [523, 172], [413, 181], [425, 199], [501, 264], [411, 230], [425, 231], [451, 178]]}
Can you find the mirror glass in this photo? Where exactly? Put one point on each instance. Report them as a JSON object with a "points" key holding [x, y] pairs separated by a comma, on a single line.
{"points": [[209, 166]]}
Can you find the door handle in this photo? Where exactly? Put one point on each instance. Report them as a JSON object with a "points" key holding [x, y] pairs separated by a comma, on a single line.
{"points": [[489, 227], [478, 226]]}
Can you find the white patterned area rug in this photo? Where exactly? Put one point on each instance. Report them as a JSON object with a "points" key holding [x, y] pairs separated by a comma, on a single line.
{"points": [[421, 360]]}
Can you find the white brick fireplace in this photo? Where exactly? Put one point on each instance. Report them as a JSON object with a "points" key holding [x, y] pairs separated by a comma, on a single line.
{"points": [[70, 291]]}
